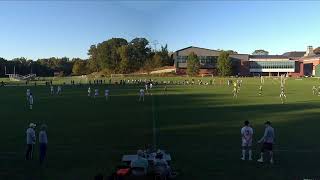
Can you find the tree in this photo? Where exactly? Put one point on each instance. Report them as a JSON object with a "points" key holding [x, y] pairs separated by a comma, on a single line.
{"points": [[224, 65], [193, 64], [124, 59], [232, 52], [317, 50], [79, 67], [260, 52]]}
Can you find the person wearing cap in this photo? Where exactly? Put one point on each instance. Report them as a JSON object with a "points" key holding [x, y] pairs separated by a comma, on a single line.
{"points": [[268, 141], [140, 162], [43, 142], [246, 134], [31, 140]]}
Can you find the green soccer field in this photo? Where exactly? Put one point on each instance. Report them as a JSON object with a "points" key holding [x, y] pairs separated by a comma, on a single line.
{"points": [[198, 125]]}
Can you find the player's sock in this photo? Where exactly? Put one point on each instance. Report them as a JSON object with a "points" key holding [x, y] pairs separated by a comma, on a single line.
{"points": [[250, 154], [261, 158], [243, 154], [271, 157]]}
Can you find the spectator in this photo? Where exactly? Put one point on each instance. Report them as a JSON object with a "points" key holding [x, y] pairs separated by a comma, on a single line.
{"points": [[140, 162], [161, 166]]}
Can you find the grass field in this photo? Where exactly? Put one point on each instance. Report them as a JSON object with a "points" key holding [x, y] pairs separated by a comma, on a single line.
{"points": [[198, 125]]}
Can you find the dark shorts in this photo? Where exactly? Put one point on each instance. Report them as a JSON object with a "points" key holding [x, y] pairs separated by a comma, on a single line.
{"points": [[266, 147]]}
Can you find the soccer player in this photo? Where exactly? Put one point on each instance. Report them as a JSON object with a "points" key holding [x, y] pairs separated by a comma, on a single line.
{"points": [[246, 133], [51, 90], [89, 91], [30, 101], [235, 90], [260, 90], [146, 87], [165, 89], [268, 141], [106, 93], [151, 85], [283, 96], [43, 143], [96, 93], [31, 140], [59, 89], [28, 94], [314, 90], [141, 95]]}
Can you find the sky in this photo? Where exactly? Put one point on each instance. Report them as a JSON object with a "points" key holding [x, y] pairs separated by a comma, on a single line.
{"points": [[40, 29]]}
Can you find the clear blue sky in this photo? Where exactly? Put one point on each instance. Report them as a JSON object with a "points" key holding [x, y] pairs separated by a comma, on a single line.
{"points": [[36, 29]]}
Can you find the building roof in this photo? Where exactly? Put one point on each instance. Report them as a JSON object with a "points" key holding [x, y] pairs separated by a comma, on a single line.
{"points": [[294, 54], [196, 48], [205, 49], [315, 56], [268, 57]]}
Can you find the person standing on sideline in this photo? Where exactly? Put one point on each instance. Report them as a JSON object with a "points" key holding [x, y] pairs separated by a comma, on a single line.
{"points": [[246, 133], [31, 140], [43, 142], [268, 141]]}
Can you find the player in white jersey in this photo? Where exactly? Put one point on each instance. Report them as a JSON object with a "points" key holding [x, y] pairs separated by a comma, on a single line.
{"points": [[151, 85], [106, 94], [89, 91], [246, 134], [28, 94], [260, 90], [30, 101], [268, 141], [146, 87], [283, 96], [314, 90], [51, 90], [141, 95], [96, 93], [59, 89]]}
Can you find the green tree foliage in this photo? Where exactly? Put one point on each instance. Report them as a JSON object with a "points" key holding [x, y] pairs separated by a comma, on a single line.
{"points": [[193, 64], [224, 65], [317, 50], [79, 67], [116, 55], [124, 66], [260, 52]]}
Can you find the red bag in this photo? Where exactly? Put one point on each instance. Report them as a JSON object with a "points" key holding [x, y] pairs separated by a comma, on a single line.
{"points": [[123, 172]]}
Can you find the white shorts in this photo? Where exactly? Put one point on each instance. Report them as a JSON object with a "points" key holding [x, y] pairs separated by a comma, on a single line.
{"points": [[246, 143]]}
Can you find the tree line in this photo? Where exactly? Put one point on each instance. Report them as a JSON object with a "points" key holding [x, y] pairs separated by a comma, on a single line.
{"points": [[113, 56]]}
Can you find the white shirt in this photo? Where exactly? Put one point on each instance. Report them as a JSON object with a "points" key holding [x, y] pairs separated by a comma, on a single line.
{"points": [[247, 133], [268, 136], [31, 136], [106, 92], [43, 137], [28, 92], [30, 99], [141, 92]]}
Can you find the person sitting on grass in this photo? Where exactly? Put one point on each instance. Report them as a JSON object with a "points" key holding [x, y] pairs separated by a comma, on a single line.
{"points": [[140, 162], [161, 166]]}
